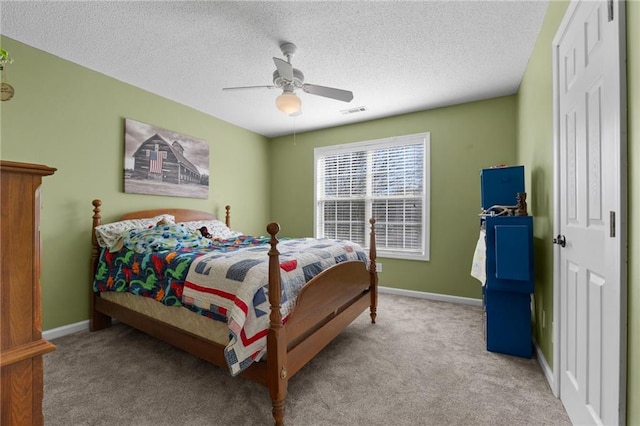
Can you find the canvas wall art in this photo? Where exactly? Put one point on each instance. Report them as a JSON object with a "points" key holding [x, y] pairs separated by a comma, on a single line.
{"points": [[162, 162]]}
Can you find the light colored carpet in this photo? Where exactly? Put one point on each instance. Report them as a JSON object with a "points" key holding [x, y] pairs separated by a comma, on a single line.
{"points": [[423, 363]]}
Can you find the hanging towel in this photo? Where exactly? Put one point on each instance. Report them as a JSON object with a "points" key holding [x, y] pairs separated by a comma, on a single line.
{"points": [[478, 267]]}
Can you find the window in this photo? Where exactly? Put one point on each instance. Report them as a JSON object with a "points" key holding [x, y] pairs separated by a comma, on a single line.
{"points": [[386, 179]]}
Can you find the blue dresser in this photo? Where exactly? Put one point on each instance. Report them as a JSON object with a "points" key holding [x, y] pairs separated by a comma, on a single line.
{"points": [[509, 263]]}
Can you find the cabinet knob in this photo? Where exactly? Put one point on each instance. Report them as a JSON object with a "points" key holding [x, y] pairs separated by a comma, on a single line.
{"points": [[560, 240]]}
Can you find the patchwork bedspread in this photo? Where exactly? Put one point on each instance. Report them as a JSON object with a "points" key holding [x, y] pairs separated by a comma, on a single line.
{"points": [[234, 284], [227, 282]]}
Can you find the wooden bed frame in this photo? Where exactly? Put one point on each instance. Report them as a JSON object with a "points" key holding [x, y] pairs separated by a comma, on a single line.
{"points": [[325, 306]]}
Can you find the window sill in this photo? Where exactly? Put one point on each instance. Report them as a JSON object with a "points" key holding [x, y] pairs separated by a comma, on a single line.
{"points": [[402, 256]]}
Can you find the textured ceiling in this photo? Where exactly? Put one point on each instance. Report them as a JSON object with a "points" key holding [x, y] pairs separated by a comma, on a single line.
{"points": [[396, 57]]}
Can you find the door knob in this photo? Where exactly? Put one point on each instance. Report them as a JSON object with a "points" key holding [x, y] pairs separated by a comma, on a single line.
{"points": [[560, 240]]}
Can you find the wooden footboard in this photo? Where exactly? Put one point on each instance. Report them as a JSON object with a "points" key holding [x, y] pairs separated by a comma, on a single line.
{"points": [[324, 307]]}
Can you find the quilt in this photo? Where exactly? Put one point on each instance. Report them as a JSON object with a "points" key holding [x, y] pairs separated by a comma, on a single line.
{"points": [[234, 284], [159, 274]]}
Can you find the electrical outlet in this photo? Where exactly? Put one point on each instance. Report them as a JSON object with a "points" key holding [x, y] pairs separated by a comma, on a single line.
{"points": [[378, 266]]}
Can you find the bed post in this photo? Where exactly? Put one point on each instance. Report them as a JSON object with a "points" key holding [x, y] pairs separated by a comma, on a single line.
{"points": [[227, 216], [98, 320], [277, 379], [372, 271]]}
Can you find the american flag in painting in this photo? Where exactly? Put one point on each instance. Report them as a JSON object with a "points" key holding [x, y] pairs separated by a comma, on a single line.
{"points": [[155, 161]]}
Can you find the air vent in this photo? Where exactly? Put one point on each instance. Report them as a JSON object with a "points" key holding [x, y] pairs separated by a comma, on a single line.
{"points": [[353, 110]]}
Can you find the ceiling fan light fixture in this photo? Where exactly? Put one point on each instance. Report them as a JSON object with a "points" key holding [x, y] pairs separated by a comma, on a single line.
{"points": [[288, 103], [288, 79]]}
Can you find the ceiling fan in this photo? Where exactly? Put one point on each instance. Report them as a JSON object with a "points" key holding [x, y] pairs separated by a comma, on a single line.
{"points": [[289, 79]]}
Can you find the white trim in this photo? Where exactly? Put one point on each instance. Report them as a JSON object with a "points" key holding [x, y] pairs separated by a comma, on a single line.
{"points": [[431, 296], [65, 330], [555, 383], [391, 142], [623, 205], [546, 369], [544, 365], [68, 329]]}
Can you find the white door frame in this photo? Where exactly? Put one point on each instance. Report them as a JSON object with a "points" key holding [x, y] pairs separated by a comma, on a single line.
{"points": [[621, 225]]}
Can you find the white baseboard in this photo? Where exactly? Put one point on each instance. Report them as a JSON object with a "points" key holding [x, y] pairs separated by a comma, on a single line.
{"points": [[546, 369], [65, 330], [84, 325], [430, 296]]}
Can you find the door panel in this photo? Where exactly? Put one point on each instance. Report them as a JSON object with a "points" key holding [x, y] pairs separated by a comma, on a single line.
{"points": [[589, 187]]}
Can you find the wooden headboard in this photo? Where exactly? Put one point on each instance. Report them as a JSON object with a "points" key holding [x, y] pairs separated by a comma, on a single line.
{"points": [[181, 215]]}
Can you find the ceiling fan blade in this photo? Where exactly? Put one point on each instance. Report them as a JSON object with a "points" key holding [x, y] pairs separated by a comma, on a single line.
{"points": [[248, 87], [328, 92], [284, 69]]}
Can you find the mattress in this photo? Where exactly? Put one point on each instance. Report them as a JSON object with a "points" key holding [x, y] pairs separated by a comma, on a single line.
{"points": [[176, 316]]}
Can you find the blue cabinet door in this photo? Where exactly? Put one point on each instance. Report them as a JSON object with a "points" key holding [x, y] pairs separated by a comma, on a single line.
{"points": [[509, 253], [507, 295]]}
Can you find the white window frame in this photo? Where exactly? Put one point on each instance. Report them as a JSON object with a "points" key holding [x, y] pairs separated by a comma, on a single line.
{"points": [[424, 139]]}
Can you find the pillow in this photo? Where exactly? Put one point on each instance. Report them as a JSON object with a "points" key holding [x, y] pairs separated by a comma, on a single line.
{"points": [[163, 237], [216, 228], [109, 233]]}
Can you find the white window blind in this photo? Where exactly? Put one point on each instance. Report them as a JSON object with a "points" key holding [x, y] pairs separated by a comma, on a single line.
{"points": [[386, 179]]}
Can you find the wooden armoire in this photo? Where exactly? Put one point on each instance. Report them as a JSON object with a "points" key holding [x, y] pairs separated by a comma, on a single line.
{"points": [[21, 342]]}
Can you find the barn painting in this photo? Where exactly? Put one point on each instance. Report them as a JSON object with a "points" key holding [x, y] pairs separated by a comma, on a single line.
{"points": [[162, 162]]}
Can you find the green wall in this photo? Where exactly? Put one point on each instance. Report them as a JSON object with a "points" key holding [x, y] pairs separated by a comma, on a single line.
{"points": [[535, 151], [68, 117], [633, 141], [464, 139]]}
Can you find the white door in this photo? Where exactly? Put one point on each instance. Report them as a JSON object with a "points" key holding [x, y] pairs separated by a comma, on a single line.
{"points": [[590, 166]]}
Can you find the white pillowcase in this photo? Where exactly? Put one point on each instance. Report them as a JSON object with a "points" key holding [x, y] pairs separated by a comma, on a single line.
{"points": [[109, 234], [216, 228]]}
